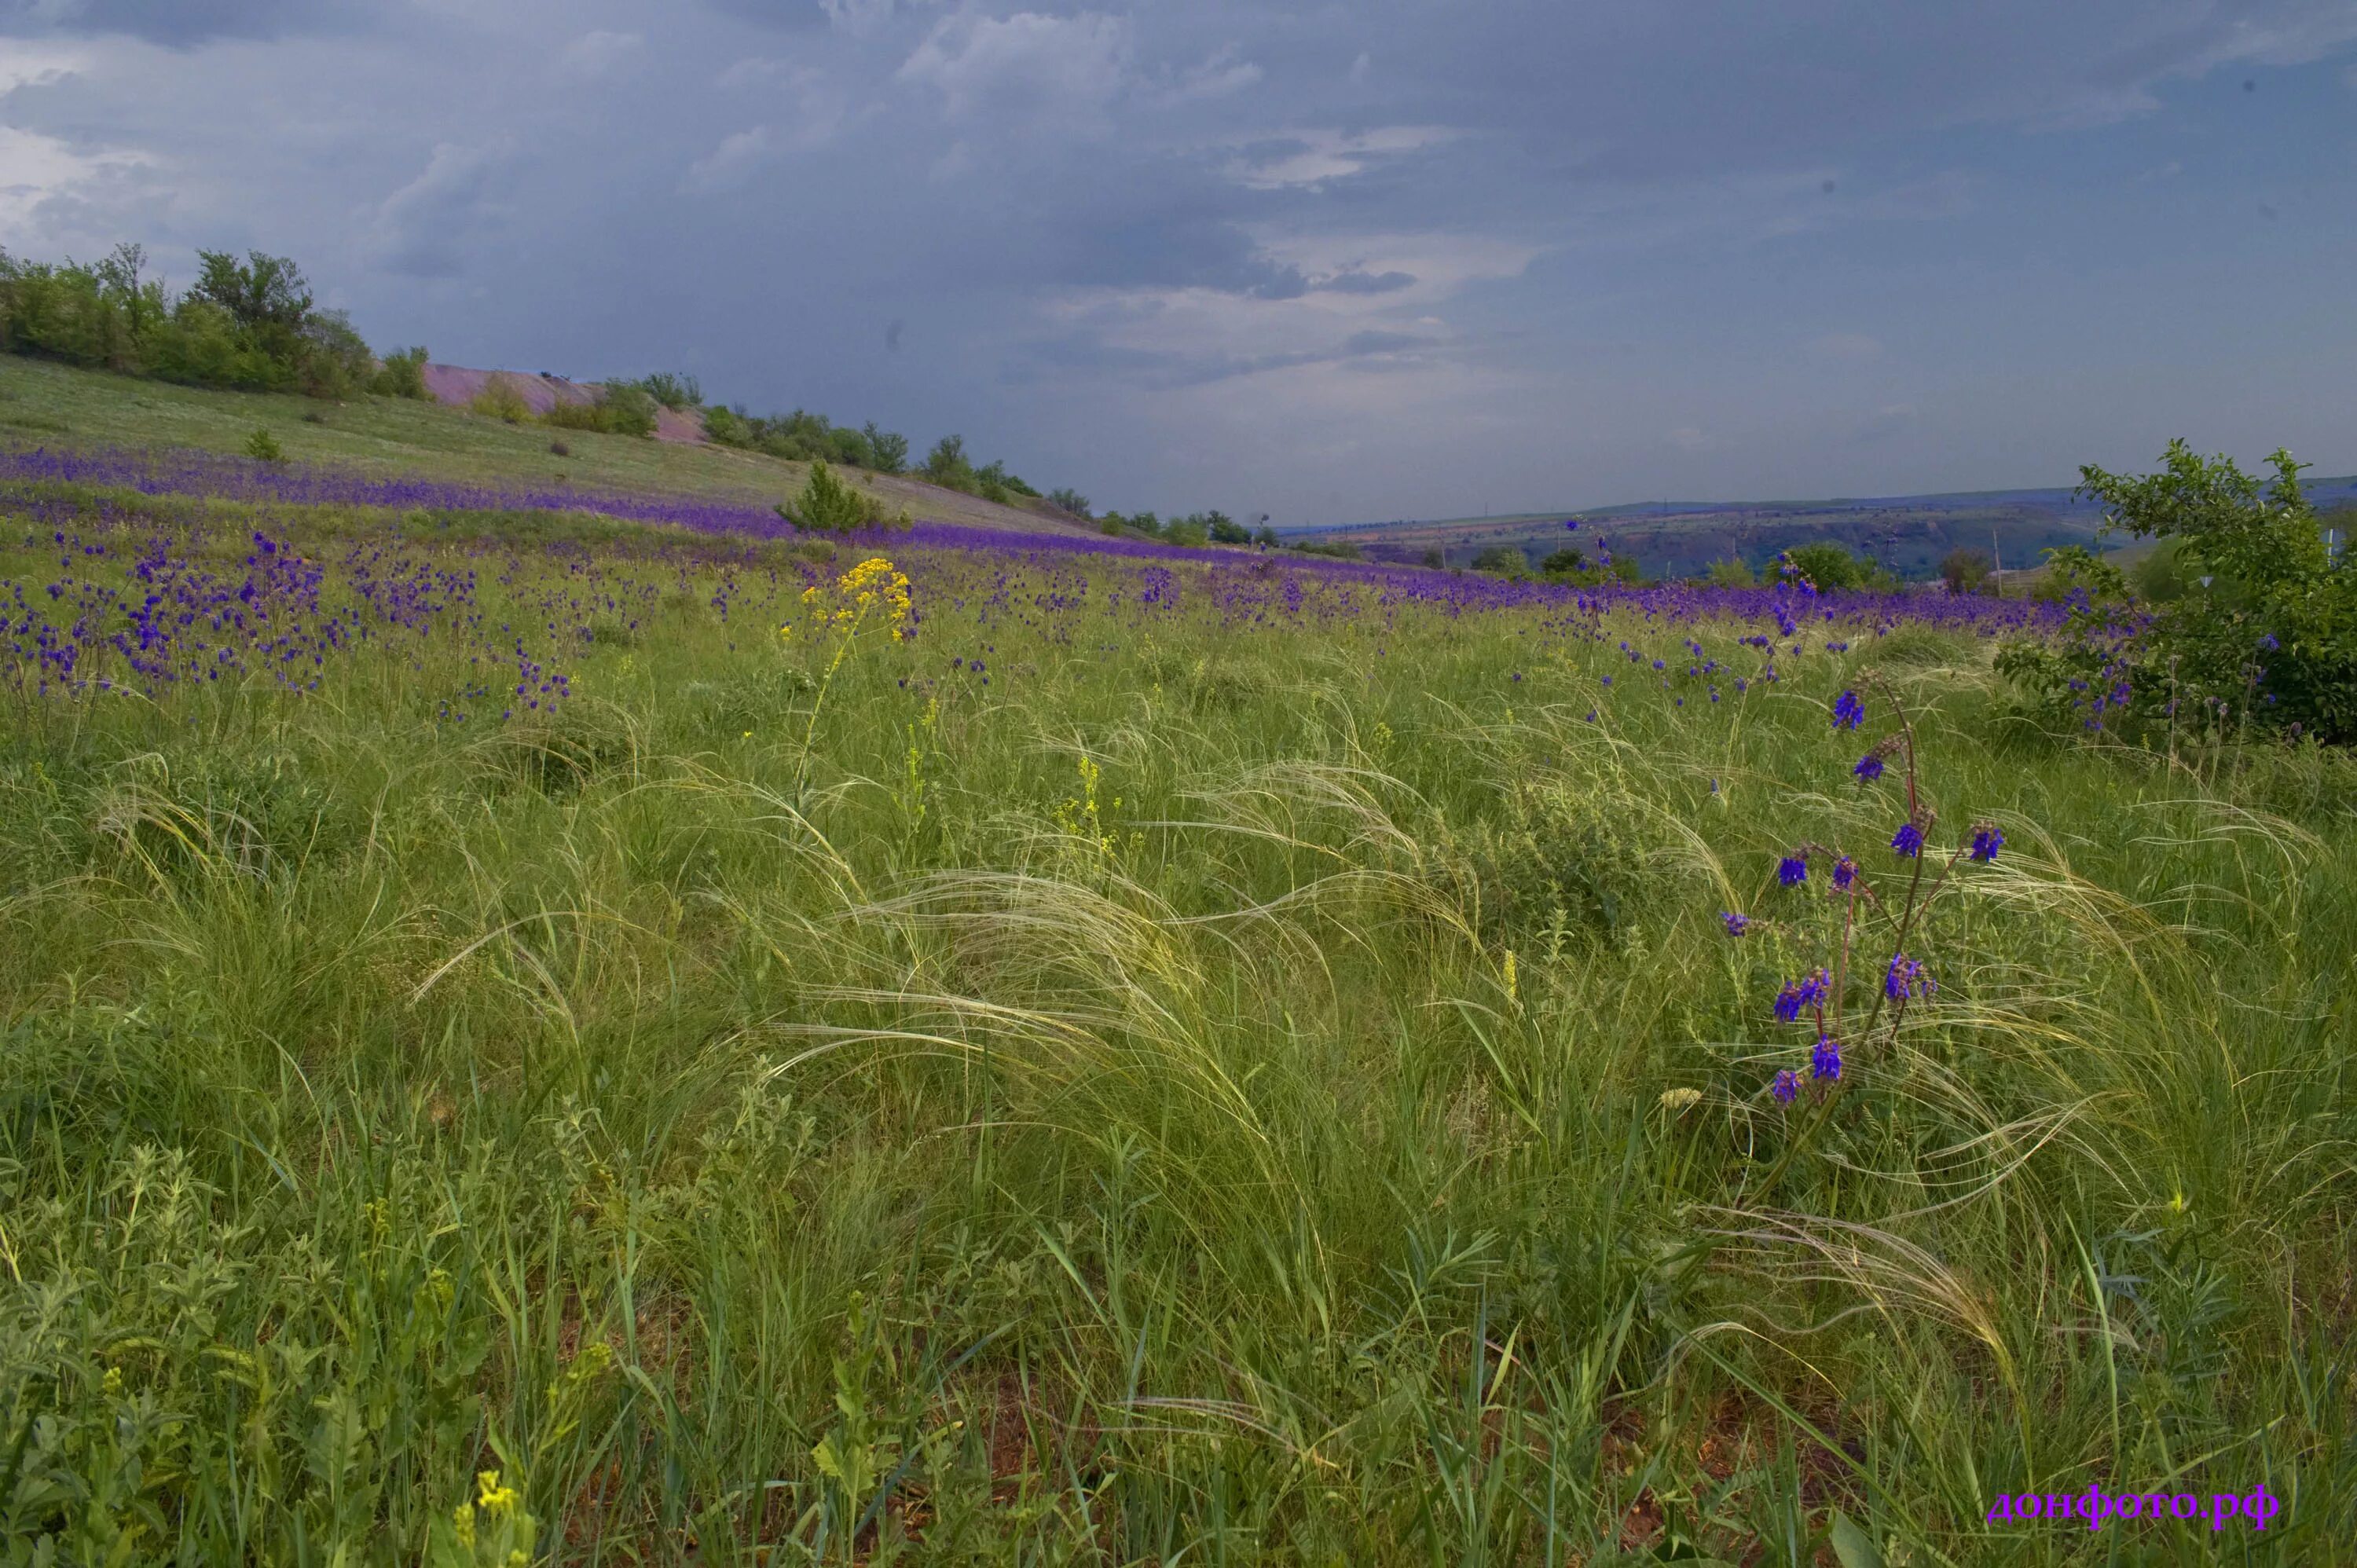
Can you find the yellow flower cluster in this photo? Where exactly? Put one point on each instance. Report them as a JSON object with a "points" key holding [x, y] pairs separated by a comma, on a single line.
{"points": [[873, 587]]}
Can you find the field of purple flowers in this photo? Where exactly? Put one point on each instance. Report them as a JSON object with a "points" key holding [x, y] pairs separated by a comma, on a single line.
{"points": [[597, 1026]]}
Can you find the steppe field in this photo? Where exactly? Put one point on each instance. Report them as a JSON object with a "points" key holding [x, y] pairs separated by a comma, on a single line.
{"points": [[613, 1031]]}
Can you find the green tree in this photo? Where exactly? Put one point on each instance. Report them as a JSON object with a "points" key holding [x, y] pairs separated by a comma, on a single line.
{"points": [[1966, 571], [1829, 566], [887, 450]]}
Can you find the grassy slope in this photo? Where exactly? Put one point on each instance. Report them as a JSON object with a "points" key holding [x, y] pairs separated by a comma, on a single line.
{"points": [[41, 403], [1246, 1041]]}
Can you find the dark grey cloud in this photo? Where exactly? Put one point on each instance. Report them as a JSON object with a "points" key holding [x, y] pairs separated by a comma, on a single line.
{"points": [[1289, 247], [180, 23]]}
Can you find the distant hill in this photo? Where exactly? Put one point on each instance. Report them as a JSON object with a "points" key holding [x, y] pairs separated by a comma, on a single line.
{"points": [[1908, 534], [44, 403]]}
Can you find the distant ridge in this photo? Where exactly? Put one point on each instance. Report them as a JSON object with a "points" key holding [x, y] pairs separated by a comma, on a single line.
{"points": [[1908, 534]]}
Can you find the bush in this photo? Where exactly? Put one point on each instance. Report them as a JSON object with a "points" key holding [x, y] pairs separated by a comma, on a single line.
{"points": [[502, 398], [888, 452], [623, 409], [264, 446], [559, 449], [247, 326], [402, 374], [1225, 530], [677, 393], [726, 426], [1966, 571], [948, 467], [1192, 532], [2265, 633], [1503, 561], [1829, 566], [827, 505], [1067, 499]]}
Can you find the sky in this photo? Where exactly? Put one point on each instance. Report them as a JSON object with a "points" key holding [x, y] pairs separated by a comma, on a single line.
{"points": [[1328, 262]]}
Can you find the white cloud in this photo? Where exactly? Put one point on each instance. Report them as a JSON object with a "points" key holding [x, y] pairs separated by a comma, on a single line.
{"points": [[37, 171], [595, 56], [737, 155], [1026, 66], [424, 228], [1219, 77], [1312, 158]]}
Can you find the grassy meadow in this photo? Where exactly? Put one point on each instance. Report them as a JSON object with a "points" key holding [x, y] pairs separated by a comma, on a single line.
{"points": [[43, 402], [1161, 1062]]}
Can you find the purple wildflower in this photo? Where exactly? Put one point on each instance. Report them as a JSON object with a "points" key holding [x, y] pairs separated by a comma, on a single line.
{"points": [[1906, 979], [1736, 923], [1824, 1061], [1908, 840], [1870, 766], [1787, 1087], [1848, 712], [1792, 870], [1844, 872], [1986, 842]]}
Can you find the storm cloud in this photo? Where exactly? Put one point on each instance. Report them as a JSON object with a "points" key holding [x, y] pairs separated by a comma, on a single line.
{"points": [[1321, 261]]}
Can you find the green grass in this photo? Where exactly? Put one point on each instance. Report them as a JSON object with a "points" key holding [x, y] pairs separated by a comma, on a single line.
{"points": [[46, 403], [1196, 1097]]}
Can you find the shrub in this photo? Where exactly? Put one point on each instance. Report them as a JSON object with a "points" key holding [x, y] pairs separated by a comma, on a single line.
{"points": [[402, 374], [827, 505], [888, 451], [1192, 532], [1503, 560], [1225, 530], [948, 466], [677, 393], [1067, 499], [502, 398], [726, 426], [1435, 559], [559, 449], [851, 447], [1732, 573], [1829, 566], [2265, 633], [1563, 563], [264, 446], [1966, 571]]}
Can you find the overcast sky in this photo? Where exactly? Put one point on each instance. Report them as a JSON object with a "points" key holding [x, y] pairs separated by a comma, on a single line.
{"points": [[1331, 262]]}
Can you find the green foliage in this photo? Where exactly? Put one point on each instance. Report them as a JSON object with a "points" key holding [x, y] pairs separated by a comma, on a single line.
{"points": [[677, 393], [829, 505], [402, 374], [502, 399], [1191, 531], [264, 446], [250, 325], [2264, 634], [1502, 560], [2076, 575], [1734, 572], [1832, 568], [888, 451], [1222, 529], [1070, 501], [623, 408], [1564, 562], [1966, 571], [948, 466]]}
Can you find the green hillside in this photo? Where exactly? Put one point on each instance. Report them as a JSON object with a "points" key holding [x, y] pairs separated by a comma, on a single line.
{"points": [[46, 403]]}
